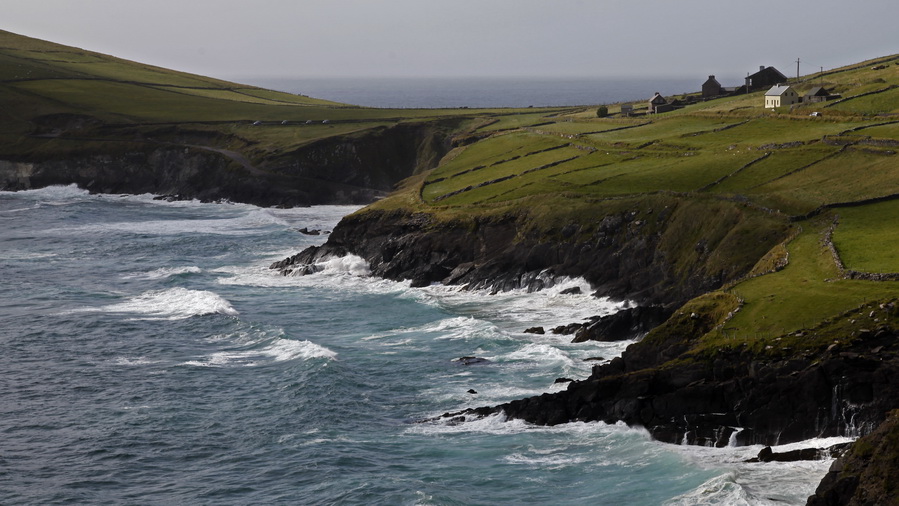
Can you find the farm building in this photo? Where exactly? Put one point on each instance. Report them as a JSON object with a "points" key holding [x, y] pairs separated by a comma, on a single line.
{"points": [[711, 88], [818, 94], [766, 76], [781, 95], [658, 104]]}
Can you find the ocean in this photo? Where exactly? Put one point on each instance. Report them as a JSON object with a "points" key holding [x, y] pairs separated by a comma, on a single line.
{"points": [[149, 356], [479, 92]]}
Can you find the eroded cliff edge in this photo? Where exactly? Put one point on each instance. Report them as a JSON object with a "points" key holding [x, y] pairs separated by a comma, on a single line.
{"points": [[187, 163], [645, 249]]}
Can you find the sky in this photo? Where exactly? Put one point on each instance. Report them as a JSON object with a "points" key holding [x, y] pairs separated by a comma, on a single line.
{"points": [[234, 39]]}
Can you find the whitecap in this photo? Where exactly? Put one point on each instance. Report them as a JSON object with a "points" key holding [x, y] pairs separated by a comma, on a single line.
{"points": [[536, 352], [171, 304], [52, 194], [545, 461], [132, 362], [723, 490], [279, 350], [26, 255], [165, 272]]}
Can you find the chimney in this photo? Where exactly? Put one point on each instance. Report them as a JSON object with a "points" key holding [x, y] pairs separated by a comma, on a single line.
{"points": [[711, 77], [761, 68]]}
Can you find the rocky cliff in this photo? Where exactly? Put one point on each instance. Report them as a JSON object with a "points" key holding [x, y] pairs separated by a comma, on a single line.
{"points": [[346, 169], [737, 394], [635, 250], [867, 474]]}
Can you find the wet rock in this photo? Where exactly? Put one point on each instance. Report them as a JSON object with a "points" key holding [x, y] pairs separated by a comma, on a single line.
{"points": [[307, 231], [629, 323], [768, 455], [535, 330], [866, 473], [472, 361]]}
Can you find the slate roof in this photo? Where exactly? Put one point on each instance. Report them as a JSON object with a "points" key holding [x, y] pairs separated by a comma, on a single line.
{"points": [[818, 91], [769, 71], [777, 91]]}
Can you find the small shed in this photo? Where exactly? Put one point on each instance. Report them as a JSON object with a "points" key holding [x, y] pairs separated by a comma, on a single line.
{"points": [[711, 88], [658, 104], [818, 94], [781, 95], [627, 109]]}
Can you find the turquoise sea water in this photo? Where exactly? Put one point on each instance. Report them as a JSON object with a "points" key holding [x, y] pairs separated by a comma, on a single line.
{"points": [[149, 356]]}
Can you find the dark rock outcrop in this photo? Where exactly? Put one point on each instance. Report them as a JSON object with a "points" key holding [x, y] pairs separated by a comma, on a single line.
{"points": [[738, 393], [867, 474], [351, 169], [472, 361], [650, 265], [769, 455], [628, 323]]}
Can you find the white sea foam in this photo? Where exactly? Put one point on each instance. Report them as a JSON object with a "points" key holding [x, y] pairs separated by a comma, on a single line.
{"points": [[761, 483], [165, 272], [534, 352], [26, 255], [247, 224], [54, 193], [523, 309], [133, 361], [278, 350], [172, 304], [499, 424], [545, 461]]}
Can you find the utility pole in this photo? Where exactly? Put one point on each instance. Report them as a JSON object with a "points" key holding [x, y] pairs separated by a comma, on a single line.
{"points": [[797, 69]]}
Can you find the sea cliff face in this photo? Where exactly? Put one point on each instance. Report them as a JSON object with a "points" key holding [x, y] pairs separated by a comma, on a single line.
{"points": [[622, 253], [346, 169]]}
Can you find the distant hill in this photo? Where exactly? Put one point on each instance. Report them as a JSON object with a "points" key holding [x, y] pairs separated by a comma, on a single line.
{"points": [[73, 116]]}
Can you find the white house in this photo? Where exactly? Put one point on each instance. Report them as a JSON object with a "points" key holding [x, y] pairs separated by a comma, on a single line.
{"points": [[780, 95]]}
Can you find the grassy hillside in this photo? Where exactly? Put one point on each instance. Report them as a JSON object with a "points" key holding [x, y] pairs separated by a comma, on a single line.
{"points": [[57, 100], [805, 172]]}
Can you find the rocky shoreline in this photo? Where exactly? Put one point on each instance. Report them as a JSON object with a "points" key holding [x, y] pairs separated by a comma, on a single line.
{"points": [[738, 395]]}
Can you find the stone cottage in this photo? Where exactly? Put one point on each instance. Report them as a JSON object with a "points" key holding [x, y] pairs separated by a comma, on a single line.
{"points": [[711, 88]]}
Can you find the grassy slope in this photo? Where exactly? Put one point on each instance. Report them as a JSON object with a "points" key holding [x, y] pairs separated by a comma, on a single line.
{"points": [[783, 163], [42, 85]]}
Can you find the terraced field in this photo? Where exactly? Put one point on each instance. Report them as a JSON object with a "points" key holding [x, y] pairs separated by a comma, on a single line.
{"points": [[785, 163]]}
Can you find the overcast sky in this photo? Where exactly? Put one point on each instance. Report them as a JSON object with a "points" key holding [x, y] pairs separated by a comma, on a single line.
{"points": [[545, 38]]}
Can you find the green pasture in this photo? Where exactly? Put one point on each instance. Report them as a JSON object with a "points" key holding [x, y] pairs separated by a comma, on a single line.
{"points": [[850, 176], [867, 237], [805, 293], [876, 103], [516, 120], [776, 164]]}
